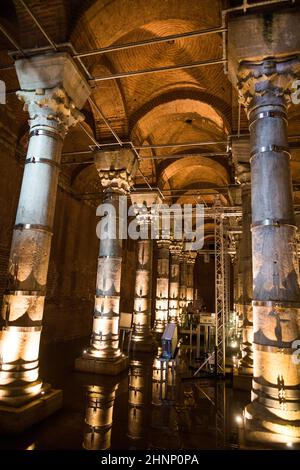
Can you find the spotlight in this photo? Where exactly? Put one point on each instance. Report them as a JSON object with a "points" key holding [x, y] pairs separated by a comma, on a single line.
{"points": [[84, 351], [239, 419], [289, 444], [43, 392]]}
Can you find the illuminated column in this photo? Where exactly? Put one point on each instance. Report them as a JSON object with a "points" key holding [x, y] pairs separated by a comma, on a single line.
{"points": [[48, 83], [139, 398], [116, 168], [265, 89], [246, 363], [239, 285], [142, 338], [175, 250], [182, 281], [162, 286], [99, 416], [191, 258]]}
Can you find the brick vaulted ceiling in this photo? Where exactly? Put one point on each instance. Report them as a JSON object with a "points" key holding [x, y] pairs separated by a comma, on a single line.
{"points": [[190, 105]]}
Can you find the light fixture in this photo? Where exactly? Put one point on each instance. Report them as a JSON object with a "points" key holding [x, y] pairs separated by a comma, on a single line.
{"points": [[238, 419]]}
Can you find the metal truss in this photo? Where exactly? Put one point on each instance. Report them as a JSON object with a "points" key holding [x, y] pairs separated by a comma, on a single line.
{"points": [[221, 288]]}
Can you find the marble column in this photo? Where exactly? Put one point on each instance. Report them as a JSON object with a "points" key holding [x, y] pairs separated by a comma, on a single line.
{"points": [[53, 91], [162, 286], [182, 282], [98, 420], [265, 89], [246, 363], [116, 167], [175, 250], [190, 264], [142, 338]]}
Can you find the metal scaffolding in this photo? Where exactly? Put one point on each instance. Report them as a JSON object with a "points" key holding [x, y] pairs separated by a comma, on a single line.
{"points": [[221, 288]]}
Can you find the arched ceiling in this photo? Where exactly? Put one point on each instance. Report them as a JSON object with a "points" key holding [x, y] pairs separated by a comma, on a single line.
{"points": [[172, 107]]}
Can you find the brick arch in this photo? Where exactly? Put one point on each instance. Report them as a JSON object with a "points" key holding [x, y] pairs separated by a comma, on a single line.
{"points": [[220, 106], [190, 171]]}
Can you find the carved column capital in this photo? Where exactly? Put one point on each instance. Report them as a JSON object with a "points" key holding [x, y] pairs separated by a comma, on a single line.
{"points": [[269, 77], [191, 257], [116, 167], [163, 243], [50, 108], [53, 90], [175, 248]]}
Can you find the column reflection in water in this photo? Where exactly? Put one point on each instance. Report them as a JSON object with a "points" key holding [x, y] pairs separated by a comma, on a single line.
{"points": [[139, 398], [98, 421], [163, 426]]}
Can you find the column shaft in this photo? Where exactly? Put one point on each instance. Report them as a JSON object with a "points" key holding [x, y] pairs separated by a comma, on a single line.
{"points": [[276, 292], [182, 283], [51, 113], [162, 286], [142, 337], [105, 334], [174, 284]]}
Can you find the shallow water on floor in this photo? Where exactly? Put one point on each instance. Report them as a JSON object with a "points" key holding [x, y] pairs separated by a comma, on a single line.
{"points": [[143, 408]]}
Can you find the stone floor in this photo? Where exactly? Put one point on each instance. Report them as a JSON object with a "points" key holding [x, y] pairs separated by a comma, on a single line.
{"points": [[194, 414]]}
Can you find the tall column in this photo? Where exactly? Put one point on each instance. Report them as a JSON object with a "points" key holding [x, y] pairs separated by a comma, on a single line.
{"points": [[98, 420], [191, 258], [48, 83], [142, 338], [239, 286], [116, 167], [182, 282], [162, 286], [265, 89], [175, 249]]}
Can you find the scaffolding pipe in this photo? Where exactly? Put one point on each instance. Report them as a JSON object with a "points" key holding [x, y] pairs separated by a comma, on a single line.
{"points": [[52, 44], [147, 42], [167, 68], [11, 40]]}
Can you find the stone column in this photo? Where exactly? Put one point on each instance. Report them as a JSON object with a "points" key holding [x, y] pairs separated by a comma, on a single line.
{"points": [[191, 258], [245, 255], [52, 90], [265, 89], [175, 250], [99, 416], [142, 338], [182, 282], [116, 167], [162, 286], [239, 285]]}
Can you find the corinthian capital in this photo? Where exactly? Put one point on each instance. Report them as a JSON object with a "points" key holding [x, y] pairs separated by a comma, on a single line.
{"points": [[52, 89], [50, 107], [116, 167], [269, 77]]}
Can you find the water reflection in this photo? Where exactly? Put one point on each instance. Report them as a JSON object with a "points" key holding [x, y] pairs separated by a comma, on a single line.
{"points": [[139, 398], [163, 380], [160, 406], [99, 416]]}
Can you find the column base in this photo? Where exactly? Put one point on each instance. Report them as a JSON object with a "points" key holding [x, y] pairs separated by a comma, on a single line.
{"points": [[14, 420], [242, 379], [263, 426], [94, 365]]}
